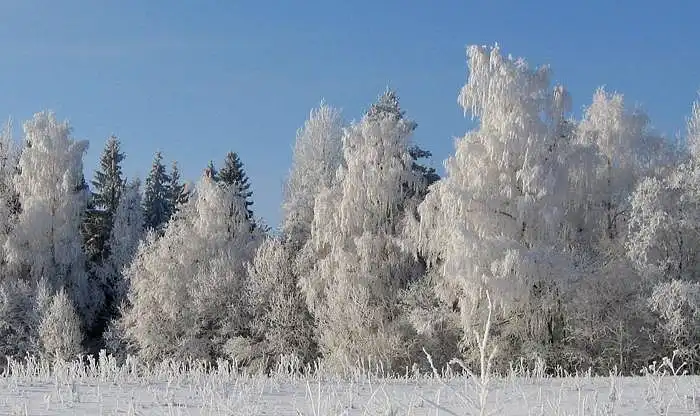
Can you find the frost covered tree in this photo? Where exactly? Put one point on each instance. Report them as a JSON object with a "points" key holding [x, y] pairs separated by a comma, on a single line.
{"points": [[18, 320], [662, 245], [677, 305], [492, 223], [280, 321], [359, 264], [59, 331], [106, 191], [317, 156], [617, 150], [187, 287], [388, 104], [665, 218], [156, 195], [46, 242]]}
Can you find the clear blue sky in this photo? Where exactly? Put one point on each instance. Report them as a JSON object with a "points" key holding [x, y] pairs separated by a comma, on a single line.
{"points": [[196, 79]]}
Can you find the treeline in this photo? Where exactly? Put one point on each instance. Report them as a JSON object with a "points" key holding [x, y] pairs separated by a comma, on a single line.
{"points": [[572, 241]]}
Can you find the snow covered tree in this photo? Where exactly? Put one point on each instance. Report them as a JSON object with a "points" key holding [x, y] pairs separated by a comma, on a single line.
{"points": [[359, 263], [46, 243], [279, 317], [492, 224], [665, 219], [317, 156], [18, 322], [156, 195], [59, 331], [187, 287], [388, 105], [107, 188], [677, 304], [617, 150], [664, 226]]}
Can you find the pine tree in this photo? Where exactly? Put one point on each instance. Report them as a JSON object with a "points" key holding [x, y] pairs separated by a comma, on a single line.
{"points": [[233, 174], [107, 189], [156, 196]]}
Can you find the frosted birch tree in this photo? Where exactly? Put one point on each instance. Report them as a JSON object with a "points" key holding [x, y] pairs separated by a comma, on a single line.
{"points": [[280, 319], [46, 243], [664, 231], [492, 223], [317, 156], [621, 150], [59, 332]]}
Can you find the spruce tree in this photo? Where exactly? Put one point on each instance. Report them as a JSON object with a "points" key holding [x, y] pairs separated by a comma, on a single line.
{"points": [[178, 194], [233, 174], [156, 195], [9, 201], [108, 186], [127, 231], [388, 105], [211, 171]]}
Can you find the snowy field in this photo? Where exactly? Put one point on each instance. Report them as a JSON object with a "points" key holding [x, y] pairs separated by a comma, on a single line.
{"points": [[107, 389]]}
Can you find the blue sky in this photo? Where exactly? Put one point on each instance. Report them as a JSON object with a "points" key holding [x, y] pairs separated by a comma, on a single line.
{"points": [[197, 79]]}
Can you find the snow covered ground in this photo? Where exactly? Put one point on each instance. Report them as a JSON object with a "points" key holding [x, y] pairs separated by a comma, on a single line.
{"points": [[101, 390]]}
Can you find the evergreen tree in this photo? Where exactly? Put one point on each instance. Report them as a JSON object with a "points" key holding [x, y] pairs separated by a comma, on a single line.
{"points": [[211, 172], [178, 190], [9, 203], [107, 185], [233, 174], [388, 105], [156, 196], [124, 239]]}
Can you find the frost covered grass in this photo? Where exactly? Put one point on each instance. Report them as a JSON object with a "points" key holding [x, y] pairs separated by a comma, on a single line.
{"points": [[102, 387]]}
